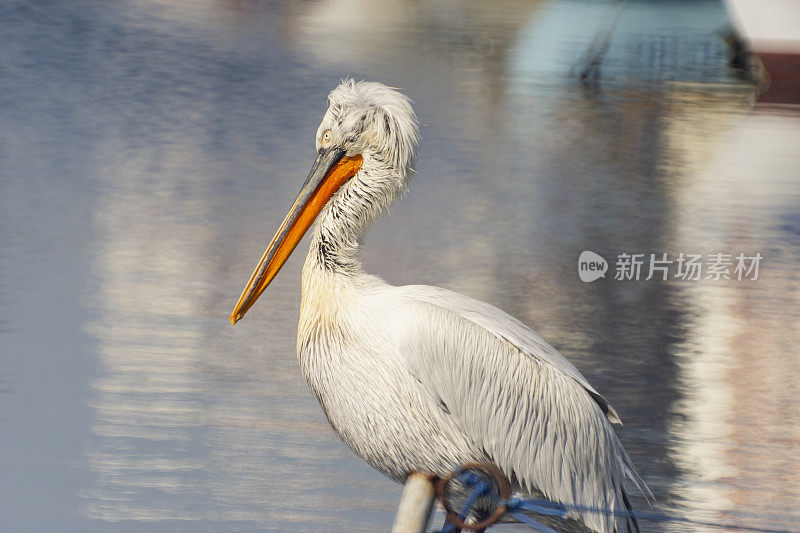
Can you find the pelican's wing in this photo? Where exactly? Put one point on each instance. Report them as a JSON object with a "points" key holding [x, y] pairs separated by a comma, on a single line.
{"points": [[506, 327], [517, 399]]}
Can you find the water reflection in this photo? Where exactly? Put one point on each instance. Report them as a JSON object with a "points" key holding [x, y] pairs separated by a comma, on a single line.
{"points": [[195, 123], [735, 427], [148, 268], [183, 429]]}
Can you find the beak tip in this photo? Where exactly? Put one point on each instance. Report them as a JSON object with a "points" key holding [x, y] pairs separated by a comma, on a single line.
{"points": [[234, 318]]}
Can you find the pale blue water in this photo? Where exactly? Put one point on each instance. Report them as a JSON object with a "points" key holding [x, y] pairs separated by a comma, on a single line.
{"points": [[148, 150]]}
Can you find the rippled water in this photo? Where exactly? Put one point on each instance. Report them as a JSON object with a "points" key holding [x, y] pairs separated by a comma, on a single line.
{"points": [[149, 149]]}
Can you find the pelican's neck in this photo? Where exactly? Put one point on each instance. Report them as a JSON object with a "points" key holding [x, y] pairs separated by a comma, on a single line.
{"points": [[333, 252], [332, 270], [332, 273], [333, 284], [344, 222]]}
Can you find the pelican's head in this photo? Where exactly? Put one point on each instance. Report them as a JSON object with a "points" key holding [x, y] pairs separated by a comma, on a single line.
{"points": [[368, 118], [366, 152]]}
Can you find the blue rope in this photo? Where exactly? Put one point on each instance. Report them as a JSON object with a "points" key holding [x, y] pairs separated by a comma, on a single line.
{"points": [[448, 528], [481, 489], [547, 507], [527, 520], [515, 505]]}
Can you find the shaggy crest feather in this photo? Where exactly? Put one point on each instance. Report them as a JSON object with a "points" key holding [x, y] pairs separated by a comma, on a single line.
{"points": [[382, 117]]}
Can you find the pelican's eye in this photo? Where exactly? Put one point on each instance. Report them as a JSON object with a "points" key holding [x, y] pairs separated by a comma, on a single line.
{"points": [[326, 139]]}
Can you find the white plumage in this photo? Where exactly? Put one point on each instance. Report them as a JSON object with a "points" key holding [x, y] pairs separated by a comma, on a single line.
{"points": [[419, 378]]}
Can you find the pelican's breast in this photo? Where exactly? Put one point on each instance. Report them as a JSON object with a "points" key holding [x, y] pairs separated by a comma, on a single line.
{"points": [[371, 399]]}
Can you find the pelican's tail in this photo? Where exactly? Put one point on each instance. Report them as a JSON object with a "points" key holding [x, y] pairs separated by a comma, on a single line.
{"points": [[631, 522], [630, 471]]}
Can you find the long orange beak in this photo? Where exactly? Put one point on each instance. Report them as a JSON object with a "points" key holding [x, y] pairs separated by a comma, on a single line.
{"points": [[330, 171]]}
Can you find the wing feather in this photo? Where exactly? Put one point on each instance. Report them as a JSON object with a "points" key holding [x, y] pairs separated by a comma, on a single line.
{"points": [[506, 327], [527, 407]]}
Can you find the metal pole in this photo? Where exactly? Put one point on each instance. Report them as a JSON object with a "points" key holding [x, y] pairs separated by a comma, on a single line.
{"points": [[416, 505]]}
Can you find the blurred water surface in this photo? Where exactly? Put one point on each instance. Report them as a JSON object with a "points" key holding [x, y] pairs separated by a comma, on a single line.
{"points": [[149, 149]]}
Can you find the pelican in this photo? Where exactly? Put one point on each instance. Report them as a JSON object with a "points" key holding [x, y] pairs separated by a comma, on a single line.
{"points": [[419, 378]]}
